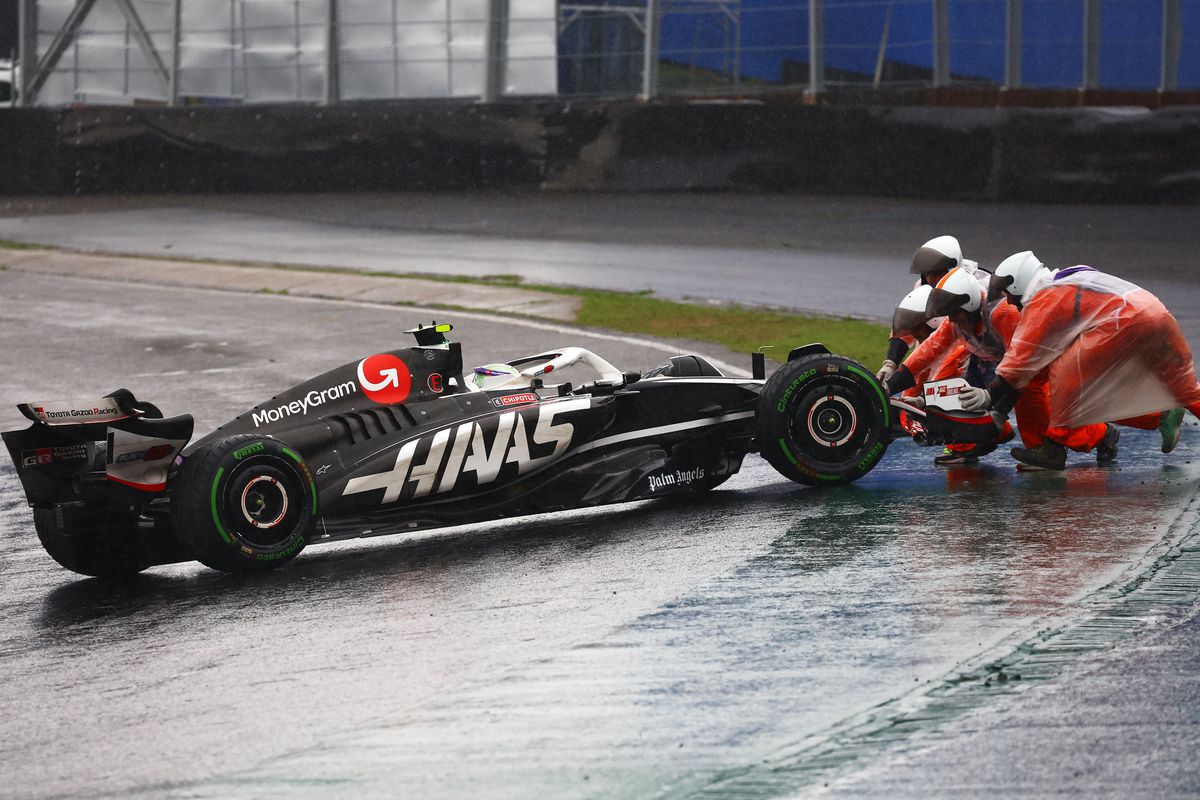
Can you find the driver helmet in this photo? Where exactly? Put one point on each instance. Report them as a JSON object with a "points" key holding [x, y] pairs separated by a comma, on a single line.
{"points": [[958, 290], [1016, 275], [490, 377], [935, 258], [910, 317]]}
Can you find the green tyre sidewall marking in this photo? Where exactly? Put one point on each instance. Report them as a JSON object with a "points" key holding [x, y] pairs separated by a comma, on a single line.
{"points": [[269, 457], [215, 514], [789, 395], [874, 384], [206, 511]]}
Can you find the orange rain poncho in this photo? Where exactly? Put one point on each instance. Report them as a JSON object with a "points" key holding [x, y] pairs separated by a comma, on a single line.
{"points": [[1113, 350], [989, 341]]}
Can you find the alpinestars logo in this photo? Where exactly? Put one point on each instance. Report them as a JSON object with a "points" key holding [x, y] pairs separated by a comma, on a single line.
{"points": [[474, 454], [384, 378]]}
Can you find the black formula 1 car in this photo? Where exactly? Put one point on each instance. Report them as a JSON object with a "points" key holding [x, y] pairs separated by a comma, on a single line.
{"points": [[401, 441]]}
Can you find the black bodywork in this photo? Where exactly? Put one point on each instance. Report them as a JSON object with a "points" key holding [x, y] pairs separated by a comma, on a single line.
{"points": [[435, 459], [395, 442], [400, 441]]}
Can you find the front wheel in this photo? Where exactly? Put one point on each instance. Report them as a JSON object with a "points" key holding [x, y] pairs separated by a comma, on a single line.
{"points": [[823, 420], [244, 504]]}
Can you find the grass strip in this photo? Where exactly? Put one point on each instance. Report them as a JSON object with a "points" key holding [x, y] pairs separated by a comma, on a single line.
{"points": [[9, 244], [738, 328]]}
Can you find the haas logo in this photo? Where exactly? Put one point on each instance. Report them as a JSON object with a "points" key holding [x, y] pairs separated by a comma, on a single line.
{"points": [[384, 378]]}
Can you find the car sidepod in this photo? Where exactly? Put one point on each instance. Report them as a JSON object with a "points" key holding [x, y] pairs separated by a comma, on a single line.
{"points": [[523, 454]]}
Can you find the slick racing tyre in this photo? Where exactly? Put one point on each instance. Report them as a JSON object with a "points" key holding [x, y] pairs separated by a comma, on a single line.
{"points": [[244, 504], [90, 541], [822, 420]]}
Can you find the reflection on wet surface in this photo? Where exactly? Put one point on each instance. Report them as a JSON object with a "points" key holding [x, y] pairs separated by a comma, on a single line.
{"points": [[623, 652]]}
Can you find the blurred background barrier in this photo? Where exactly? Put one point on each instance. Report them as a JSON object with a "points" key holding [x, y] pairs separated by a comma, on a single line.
{"points": [[915, 98], [1008, 154], [234, 52]]}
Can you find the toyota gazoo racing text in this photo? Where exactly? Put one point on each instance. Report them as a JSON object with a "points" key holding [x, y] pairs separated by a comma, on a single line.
{"points": [[401, 441]]}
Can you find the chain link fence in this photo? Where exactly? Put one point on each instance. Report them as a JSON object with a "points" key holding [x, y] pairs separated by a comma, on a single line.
{"points": [[325, 51]]}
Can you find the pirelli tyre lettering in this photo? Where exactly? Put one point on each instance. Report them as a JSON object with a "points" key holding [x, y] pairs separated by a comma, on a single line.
{"points": [[822, 420], [244, 503]]}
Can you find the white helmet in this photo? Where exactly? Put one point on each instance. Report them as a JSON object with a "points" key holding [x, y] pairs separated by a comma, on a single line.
{"points": [[491, 377], [910, 317], [940, 254], [959, 289], [1016, 275]]}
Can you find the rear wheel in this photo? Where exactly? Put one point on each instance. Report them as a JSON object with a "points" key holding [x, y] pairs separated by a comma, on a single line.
{"points": [[822, 420], [244, 504], [97, 542]]}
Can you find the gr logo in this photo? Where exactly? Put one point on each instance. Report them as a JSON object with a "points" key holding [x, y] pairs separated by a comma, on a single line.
{"points": [[37, 458]]}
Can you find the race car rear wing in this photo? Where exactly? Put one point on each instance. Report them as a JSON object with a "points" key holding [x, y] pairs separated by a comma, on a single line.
{"points": [[119, 405], [58, 459]]}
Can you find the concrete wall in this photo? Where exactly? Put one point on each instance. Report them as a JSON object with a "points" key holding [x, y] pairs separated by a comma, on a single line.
{"points": [[1009, 154]]}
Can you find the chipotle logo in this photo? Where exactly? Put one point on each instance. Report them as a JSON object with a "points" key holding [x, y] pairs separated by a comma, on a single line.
{"points": [[509, 400]]}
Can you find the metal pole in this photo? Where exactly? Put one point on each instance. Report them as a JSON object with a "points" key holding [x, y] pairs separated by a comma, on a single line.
{"points": [[396, 55], [1171, 41], [333, 72], [495, 56], [27, 41], [816, 47], [883, 43], [299, 53], [1012, 45], [173, 82], [140, 35], [1091, 44], [650, 51], [449, 50], [941, 43], [737, 48], [232, 50], [34, 77]]}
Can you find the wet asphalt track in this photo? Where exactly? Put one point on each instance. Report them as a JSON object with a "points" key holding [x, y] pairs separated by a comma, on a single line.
{"points": [[647, 650], [843, 255]]}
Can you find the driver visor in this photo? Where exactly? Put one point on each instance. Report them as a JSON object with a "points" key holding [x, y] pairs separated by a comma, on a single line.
{"points": [[943, 303], [997, 285], [908, 321], [927, 260]]}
